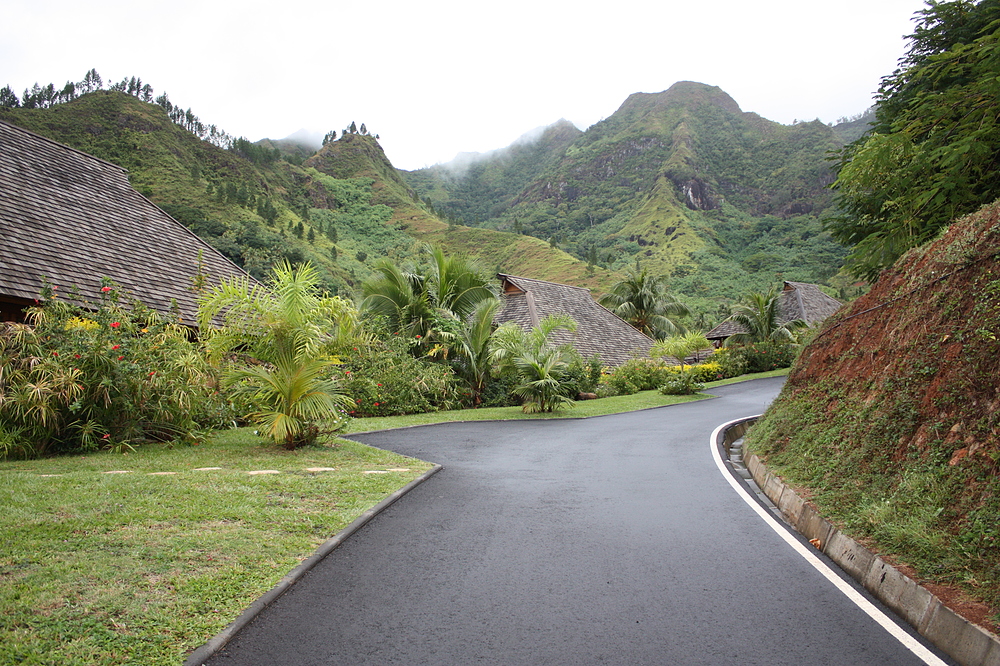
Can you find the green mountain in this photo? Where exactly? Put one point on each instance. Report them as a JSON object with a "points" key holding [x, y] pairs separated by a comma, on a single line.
{"points": [[340, 207], [682, 181]]}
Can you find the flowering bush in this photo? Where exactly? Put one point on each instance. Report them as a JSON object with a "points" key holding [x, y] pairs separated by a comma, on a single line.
{"points": [[78, 380], [634, 375], [731, 361], [708, 371]]}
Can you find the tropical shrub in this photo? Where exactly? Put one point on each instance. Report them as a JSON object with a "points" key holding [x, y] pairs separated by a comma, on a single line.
{"points": [[499, 392], [709, 371], [616, 384], [283, 331], [644, 373], [79, 379], [582, 374], [382, 378], [683, 382], [540, 366], [765, 356], [731, 361]]}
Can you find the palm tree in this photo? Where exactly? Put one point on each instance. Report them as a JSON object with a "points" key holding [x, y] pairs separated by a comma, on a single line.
{"points": [[400, 297], [539, 365], [432, 307], [473, 344], [284, 326], [679, 347], [760, 318], [642, 300]]}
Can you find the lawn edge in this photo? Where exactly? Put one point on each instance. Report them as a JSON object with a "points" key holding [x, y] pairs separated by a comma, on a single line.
{"points": [[215, 644]]}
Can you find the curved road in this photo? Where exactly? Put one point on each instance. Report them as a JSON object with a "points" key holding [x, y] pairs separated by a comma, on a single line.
{"points": [[611, 540]]}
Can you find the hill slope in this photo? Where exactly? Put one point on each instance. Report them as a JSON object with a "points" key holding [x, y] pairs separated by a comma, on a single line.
{"points": [[682, 181], [891, 416], [339, 208]]}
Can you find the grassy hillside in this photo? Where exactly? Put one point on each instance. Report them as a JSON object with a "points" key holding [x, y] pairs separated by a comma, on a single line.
{"points": [[682, 181], [890, 419], [340, 208]]}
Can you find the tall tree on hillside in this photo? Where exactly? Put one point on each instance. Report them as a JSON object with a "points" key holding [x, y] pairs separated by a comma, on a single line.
{"points": [[9, 98], [91, 81], [934, 149], [643, 301]]}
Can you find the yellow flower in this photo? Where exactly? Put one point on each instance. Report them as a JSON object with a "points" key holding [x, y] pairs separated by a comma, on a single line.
{"points": [[81, 324]]}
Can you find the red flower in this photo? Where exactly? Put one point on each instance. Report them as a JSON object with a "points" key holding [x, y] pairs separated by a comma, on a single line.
{"points": [[378, 385], [418, 337], [106, 436], [116, 346], [115, 324], [120, 357], [55, 353], [376, 404], [152, 373], [105, 289], [76, 356]]}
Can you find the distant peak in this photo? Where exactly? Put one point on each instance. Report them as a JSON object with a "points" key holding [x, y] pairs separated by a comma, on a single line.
{"points": [[684, 93]]}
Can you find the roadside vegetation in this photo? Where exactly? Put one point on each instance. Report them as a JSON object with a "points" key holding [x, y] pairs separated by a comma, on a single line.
{"points": [[212, 466], [889, 421]]}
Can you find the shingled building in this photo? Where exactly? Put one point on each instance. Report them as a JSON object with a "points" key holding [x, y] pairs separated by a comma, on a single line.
{"points": [[74, 219], [798, 300], [598, 330]]}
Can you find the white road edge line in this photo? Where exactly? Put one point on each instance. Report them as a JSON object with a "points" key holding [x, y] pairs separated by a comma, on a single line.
{"points": [[868, 607]]}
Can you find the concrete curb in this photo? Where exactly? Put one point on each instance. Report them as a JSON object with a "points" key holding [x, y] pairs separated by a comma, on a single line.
{"points": [[219, 641], [963, 641]]}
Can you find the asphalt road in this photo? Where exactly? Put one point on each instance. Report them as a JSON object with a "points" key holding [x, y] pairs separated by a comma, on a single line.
{"points": [[612, 540]]}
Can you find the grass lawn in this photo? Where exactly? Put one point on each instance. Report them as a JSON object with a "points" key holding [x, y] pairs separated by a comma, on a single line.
{"points": [[140, 558], [98, 567]]}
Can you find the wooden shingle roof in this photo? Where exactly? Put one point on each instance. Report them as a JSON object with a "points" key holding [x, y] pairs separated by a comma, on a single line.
{"points": [[599, 331], [75, 219], [798, 300]]}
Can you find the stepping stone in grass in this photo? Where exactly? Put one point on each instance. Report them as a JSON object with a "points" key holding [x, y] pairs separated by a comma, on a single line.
{"points": [[160, 473], [265, 471], [205, 469], [321, 469]]}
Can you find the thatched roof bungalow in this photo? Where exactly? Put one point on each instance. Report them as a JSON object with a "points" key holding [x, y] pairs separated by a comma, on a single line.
{"points": [[75, 219], [798, 300], [599, 331]]}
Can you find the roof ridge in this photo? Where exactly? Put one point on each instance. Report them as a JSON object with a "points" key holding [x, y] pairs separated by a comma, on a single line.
{"points": [[558, 284]]}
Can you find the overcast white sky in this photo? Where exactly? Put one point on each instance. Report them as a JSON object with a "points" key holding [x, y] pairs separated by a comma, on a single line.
{"points": [[438, 77]]}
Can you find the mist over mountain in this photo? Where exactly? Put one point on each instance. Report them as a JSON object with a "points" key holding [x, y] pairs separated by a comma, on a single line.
{"points": [[682, 181]]}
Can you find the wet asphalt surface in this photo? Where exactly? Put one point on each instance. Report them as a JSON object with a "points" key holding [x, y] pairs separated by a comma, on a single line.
{"points": [[612, 540]]}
